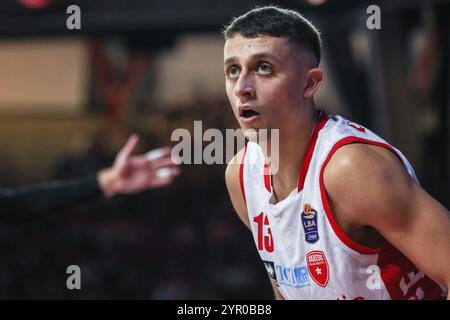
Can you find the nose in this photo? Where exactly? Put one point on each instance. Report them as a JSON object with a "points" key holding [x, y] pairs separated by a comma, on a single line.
{"points": [[244, 87]]}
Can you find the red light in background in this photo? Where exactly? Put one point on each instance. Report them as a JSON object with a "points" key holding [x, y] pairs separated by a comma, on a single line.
{"points": [[35, 4]]}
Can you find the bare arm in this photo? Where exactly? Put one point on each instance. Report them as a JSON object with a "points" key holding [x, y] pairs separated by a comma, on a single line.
{"points": [[234, 188], [276, 292], [369, 187], [237, 199]]}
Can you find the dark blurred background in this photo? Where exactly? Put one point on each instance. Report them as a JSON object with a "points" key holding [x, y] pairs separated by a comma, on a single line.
{"points": [[70, 98]]}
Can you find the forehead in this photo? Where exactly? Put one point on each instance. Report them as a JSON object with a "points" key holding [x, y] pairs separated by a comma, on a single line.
{"points": [[241, 48]]}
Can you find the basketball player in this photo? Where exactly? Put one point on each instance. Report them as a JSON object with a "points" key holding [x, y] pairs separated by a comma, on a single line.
{"points": [[344, 217], [128, 174]]}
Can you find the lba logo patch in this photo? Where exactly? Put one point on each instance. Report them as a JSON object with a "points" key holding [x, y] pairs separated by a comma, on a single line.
{"points": [[309, 222], [318, 267], [270, 267]]}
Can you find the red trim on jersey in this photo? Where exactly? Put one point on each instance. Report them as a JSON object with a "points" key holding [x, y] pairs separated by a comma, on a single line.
{"points": [[323, 118], [400, 276], [403, 280], [337, 229], [267, 177], [241, 174]]}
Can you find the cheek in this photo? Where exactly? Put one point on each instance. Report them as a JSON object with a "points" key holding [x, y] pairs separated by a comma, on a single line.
{"points": [[289, 92], [229, 88], [231, 98], [288, 98], [230, 95], [274, 94], [279, 100]]}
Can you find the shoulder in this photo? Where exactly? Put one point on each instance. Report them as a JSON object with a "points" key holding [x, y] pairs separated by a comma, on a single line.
{"points": [[362, 159], [233, 169], [366, 182]]}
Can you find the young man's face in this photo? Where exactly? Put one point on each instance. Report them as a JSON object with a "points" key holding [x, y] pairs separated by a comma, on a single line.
{"points": [[264, 81]]}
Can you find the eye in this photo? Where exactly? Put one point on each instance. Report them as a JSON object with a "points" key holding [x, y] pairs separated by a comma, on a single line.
{"points": [[232, 72], [264, 68]]}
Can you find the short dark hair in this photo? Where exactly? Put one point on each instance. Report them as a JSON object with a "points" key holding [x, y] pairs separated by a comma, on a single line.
{"points": [[276, 22]]}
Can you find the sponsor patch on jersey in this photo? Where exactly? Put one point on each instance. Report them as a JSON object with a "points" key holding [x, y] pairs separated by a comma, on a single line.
{"points": [[286, 276], [270, 267], [309, 222], [318, 267], [293, 277]]}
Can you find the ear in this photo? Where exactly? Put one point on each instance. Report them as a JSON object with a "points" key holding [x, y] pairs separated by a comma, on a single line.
{"points": [[314, 78]]}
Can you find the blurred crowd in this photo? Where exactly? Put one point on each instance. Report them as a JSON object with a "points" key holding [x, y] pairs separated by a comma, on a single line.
{"points": [[180, 242]]}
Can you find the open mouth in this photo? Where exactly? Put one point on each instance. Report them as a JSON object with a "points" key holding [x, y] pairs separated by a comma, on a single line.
{"points": [[247, 112]]}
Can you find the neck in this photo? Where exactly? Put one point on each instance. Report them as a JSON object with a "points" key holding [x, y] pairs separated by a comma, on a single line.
{"points": [[294, 139]]}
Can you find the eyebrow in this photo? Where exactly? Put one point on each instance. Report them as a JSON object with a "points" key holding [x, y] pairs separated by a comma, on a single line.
{"points": [[252, 57]]}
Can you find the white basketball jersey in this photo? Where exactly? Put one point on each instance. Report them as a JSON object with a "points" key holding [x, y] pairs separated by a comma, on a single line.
{"points": [[304, 250]]}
